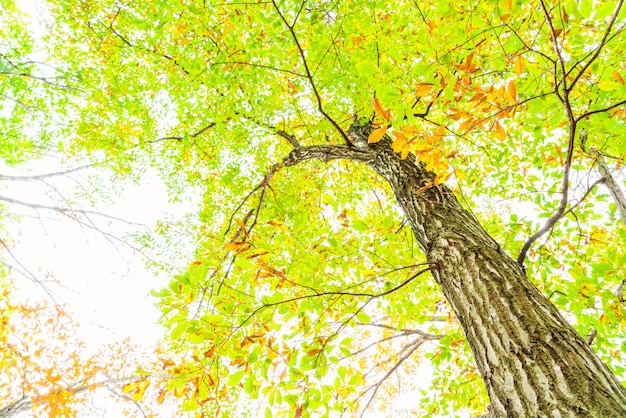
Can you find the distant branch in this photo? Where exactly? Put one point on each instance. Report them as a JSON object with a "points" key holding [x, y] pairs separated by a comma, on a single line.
{"points": [[28, 274], [43, 176], [26, 403], [609, 180], [66, 211], [409, 350]]}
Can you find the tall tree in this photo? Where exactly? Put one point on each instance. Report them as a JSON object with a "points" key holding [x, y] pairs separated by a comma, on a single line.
{"points": [[303, 270]]}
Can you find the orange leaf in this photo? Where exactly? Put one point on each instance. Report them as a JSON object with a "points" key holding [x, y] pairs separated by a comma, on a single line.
{"points": [[519, 65], [377, 134], [430, 139], [385, 114], [313, 352], [467, 126], [210, 352], [409, 130], [511, 88], [441, 131], [500, 132], [423, 88], [399, 143], [618, 77], [257, 253], [405, 152], [278, 225], [242, 226]]}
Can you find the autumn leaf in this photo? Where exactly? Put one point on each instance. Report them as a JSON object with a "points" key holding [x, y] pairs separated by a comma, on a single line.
{"points": [[313, 352], [423, 89], [618, 77], [385, 114], [441, 131], [511, 89], [519, 65], [377, 134], [399, 142], [500, 132]]}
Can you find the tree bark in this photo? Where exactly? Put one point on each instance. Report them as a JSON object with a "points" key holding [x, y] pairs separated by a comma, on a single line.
{"points": [[533, 363]]}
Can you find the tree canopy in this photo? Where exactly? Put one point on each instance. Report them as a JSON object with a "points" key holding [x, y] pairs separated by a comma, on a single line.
{"points": [[309, 293]]}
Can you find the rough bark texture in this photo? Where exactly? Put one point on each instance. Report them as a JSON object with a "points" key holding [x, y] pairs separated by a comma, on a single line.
{"points": [[532, 361]]}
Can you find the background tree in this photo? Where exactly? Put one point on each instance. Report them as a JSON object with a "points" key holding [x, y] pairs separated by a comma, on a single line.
{"points": [[48, 370], [302, 272]]}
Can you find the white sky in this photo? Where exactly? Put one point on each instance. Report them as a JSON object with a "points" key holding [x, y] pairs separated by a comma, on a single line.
{"points": [[104, 282]]}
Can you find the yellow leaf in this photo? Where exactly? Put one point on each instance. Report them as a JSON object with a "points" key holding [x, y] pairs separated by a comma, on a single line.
{"points": [[237, 246], [608, 85], [441, 131], [423, 88], [467, 126], [430, 139], [129, 387], [399, 143], [511, 89], [618, 77], [500, 132], [377, 134], [385, 114], [518, 65], [137, 396], [405, 152], [508, 4]]}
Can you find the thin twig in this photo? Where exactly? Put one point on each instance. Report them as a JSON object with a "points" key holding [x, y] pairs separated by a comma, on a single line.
{"points": [[309, 76]]}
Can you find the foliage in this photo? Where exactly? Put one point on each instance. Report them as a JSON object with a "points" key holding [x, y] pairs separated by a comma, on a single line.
{"points": [[307, 290], [48, 370]]}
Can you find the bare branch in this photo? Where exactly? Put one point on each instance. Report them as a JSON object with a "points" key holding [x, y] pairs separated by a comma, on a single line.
{"points": [[43, 176], [609, 180], [67, 211], [412, 347], [27, 273]]}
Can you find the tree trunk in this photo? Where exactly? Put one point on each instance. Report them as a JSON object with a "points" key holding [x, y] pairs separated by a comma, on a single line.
{"points": [[533, 363]]}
